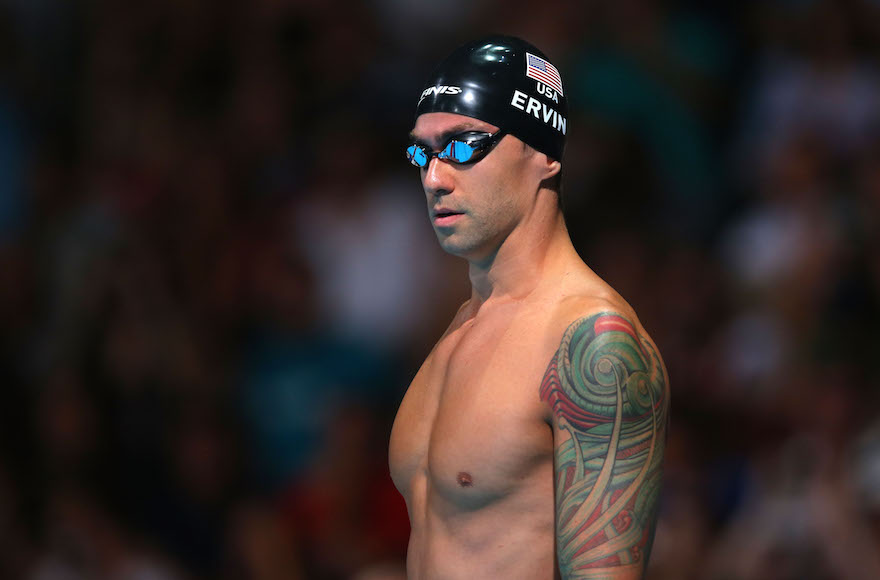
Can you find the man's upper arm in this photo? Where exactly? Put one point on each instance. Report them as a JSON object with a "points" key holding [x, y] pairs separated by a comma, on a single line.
{"points": [[608, 393]]}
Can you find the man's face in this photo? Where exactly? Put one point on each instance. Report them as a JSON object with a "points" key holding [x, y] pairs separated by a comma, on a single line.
{"points": [[474, 207]]}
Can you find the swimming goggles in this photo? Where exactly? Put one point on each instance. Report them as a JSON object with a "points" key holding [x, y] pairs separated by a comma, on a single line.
{"points": [[464, 148]]}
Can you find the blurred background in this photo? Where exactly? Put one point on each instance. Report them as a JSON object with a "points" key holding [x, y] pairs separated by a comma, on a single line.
{"points": [[217, 275]]}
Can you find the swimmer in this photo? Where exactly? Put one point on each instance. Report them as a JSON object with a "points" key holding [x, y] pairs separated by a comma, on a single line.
{"points": [[530, 443]]}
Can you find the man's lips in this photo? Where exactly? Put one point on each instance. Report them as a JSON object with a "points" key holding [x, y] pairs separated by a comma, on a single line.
{"points": [[444, 216]]}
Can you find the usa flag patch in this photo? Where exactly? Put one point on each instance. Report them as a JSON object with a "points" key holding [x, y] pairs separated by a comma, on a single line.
{"points": [[539, 69]]}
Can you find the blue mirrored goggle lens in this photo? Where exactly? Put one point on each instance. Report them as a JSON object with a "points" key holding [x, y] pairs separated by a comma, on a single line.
{"points": [[458, 151], [416, 156]]}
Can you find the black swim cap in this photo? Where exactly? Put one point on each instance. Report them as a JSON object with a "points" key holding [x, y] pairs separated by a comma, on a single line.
{"points": [[507, 82]]}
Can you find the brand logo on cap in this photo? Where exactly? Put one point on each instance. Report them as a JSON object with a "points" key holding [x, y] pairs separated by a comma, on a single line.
{"points": [[440, 90]]}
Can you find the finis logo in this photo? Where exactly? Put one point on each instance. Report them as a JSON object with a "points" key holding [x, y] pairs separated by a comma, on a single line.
{"points": [[440, 90]]}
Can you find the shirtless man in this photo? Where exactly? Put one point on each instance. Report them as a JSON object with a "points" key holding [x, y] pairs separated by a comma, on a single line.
{"points": [[530, 443]]}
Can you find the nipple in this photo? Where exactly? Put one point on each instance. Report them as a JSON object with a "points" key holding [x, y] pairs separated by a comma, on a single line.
{"points": [[465, 479]]}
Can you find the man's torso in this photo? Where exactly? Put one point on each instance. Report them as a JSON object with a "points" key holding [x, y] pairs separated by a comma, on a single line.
{"points": [[472, 446]]}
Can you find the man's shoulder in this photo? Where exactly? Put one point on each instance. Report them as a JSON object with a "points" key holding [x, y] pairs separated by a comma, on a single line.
{"points": [[574, 310], [593, 323]]}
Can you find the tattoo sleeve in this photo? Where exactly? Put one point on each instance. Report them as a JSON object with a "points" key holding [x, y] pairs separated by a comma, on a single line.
{"points": [[608, 393]]}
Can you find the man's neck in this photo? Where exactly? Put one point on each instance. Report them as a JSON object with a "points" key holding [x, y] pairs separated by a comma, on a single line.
{"points": [[522, 260]]}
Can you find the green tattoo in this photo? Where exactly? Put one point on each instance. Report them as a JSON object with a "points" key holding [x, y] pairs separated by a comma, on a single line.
{"points": [[608, 394]]}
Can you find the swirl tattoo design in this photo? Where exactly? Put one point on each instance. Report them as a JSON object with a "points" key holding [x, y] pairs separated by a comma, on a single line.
{"points": [[608, 392]]}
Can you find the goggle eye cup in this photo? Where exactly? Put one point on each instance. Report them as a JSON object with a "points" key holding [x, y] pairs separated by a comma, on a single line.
{"points": [[416, 156], [458, 151]]}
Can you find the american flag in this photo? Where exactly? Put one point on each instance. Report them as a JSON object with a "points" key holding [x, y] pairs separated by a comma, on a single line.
{"points": [[541, 70]]}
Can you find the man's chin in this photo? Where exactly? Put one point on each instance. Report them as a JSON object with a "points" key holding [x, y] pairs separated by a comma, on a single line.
{"points": [[455, 246], [470, 250]]}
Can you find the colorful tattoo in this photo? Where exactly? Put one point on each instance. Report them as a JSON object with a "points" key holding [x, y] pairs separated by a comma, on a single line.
{"points": [[608, 393]]}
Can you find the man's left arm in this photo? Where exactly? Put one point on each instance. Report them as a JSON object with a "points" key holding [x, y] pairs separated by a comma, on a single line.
{"points": [[609, 395]]}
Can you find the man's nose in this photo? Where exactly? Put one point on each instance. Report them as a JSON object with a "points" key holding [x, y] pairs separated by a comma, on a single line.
{"points": [[438, 178]]}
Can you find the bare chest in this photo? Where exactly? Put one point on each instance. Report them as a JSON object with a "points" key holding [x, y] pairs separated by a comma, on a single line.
{"points": [[470, 430]]}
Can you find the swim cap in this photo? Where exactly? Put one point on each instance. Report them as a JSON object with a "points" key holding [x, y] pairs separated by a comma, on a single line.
{"points": [[504, 81]]}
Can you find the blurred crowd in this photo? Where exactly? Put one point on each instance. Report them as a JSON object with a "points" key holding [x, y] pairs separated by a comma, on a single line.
{"points": [[217, 275]]}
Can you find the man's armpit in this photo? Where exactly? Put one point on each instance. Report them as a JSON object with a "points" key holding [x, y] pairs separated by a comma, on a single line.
{"points": [[608, 393]]}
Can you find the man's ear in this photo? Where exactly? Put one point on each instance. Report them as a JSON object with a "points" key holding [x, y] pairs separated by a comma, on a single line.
{"points": [[550, 167]]}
